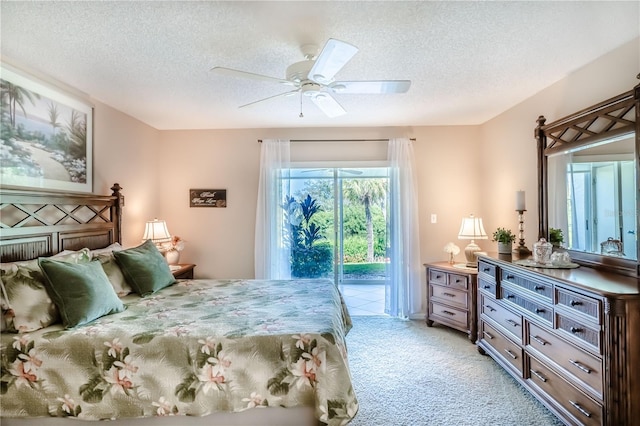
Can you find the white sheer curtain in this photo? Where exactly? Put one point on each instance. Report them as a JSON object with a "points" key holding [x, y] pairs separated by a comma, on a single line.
{"points": [[271, 257], [403, 289]]}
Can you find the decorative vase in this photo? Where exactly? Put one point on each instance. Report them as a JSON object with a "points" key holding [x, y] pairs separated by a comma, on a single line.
{"points": [[504, 248], [172, 256], [542, 251]]}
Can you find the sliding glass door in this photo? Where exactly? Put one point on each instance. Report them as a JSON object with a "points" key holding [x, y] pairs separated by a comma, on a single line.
{"points": [[336, 223]]}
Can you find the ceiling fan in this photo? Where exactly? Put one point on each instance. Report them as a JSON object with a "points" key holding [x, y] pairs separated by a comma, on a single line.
{"points": [[314, 78]]}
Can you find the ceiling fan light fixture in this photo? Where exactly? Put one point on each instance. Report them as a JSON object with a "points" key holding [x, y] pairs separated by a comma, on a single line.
{"points": [[320, 78], [338, 87]]}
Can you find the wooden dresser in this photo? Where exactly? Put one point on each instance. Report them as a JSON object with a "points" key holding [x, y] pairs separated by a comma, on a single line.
{"points": [[570, 336], [451, 297]]}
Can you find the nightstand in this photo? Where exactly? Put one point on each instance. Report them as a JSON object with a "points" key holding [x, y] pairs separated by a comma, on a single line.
{"points": [[184, 272], [451, 297]]}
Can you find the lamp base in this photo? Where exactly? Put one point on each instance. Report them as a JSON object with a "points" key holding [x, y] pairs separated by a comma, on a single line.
{"points": [[470, 253]]}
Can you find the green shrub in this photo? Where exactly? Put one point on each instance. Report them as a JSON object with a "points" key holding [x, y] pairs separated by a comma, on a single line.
{"points": [[355, 249], [313, 262]]}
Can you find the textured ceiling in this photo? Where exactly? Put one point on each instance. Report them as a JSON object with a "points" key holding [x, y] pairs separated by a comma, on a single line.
{"points": [[468, 61]]}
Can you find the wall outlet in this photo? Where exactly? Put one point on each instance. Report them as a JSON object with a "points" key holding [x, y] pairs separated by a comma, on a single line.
{"points": [[434, 218]]}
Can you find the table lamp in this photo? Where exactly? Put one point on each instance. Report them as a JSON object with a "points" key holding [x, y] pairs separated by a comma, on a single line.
{"points": [[472, 229], [156, 231]]}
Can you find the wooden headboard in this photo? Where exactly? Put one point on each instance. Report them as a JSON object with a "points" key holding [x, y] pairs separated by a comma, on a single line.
{"points": [[34, 224]]}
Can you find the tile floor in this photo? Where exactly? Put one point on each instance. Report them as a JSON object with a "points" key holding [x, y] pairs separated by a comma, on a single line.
{"points": [[363, 299]]}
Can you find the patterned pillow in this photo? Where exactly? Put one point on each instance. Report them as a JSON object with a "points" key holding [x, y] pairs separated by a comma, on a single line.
{"points": [[107, 250], [114, 274], [26, 306]]}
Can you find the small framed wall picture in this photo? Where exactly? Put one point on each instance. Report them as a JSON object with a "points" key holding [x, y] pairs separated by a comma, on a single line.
{"points": [[207, 198]]}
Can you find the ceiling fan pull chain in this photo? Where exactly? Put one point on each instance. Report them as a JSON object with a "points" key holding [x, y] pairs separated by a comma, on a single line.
{"points": [[301, 114]]}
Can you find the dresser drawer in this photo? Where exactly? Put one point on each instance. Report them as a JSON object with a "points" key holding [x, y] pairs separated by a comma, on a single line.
{"points": [[506, 349], [449, 296], [441, 313], [511, 322], [584, 366], [459, 281], [591, 337], [540, 288], [487, 269], [585, 410], [487, 286], [437, 277], [581, 304], [541, 311]]}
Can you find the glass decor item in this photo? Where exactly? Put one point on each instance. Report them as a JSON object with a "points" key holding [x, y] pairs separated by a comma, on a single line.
{"points": [[542, 251]]}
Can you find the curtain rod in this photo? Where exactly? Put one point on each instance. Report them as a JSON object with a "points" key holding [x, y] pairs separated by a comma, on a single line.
{"points": [[340, 140]]}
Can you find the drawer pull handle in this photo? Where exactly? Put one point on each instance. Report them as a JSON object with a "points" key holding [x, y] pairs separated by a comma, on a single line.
{"points": [[540, 311], [492, 309], [510, 277], [511, 354], [576, 330], [486, 269], [513, 323], [511, 296], [575, 303], [449, 313], [457, 281], [449, 294], [538, 375], [540, 340], [488, 335], [579, 408], [580, 366], [486, 287], [438, 276], [538, 288]]}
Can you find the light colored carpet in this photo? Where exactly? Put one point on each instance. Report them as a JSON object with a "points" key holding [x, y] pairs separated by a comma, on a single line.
{"points": [[407, 374]]}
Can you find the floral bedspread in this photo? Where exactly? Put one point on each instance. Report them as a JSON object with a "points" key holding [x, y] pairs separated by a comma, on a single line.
{"points": [[194, 348]]}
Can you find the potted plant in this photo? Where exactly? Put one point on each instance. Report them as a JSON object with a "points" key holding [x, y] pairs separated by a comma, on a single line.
{"points": [[505, 239], [555, 237]]}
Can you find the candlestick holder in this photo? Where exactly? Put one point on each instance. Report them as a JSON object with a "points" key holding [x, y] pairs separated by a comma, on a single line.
{"points": [[522, 249]]}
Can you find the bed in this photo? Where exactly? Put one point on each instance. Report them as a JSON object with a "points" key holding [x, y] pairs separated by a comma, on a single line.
{"points": [[209, 351]]}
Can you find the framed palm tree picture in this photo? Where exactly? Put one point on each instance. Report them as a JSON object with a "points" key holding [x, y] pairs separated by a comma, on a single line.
{"points": [[45, 135]]}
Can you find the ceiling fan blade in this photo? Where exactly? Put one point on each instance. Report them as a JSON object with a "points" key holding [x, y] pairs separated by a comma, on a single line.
{"points": [[335, 54], [371, 87], [244, 74], [270, 98], [328, 104]]}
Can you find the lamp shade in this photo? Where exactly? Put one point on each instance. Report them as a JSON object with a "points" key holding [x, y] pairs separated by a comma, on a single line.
{"points": [[472, 229], [156, 231]]}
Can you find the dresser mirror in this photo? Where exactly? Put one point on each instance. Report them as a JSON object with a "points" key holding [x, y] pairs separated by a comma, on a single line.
{"points": [[588, 183]]}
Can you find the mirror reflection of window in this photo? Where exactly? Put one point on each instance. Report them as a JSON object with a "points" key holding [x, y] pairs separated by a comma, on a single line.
{"points": [[592, 198]]}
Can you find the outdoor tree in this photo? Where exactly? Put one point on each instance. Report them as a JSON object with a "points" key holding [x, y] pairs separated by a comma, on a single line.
{"points": [[368, 192]]}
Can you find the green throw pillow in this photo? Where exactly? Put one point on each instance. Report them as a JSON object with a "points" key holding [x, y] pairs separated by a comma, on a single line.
{"points": [[144, 268], [82, 292]]}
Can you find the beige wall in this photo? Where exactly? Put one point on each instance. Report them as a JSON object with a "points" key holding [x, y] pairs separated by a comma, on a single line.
{"points": [[220, 241], [125, 152]]}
